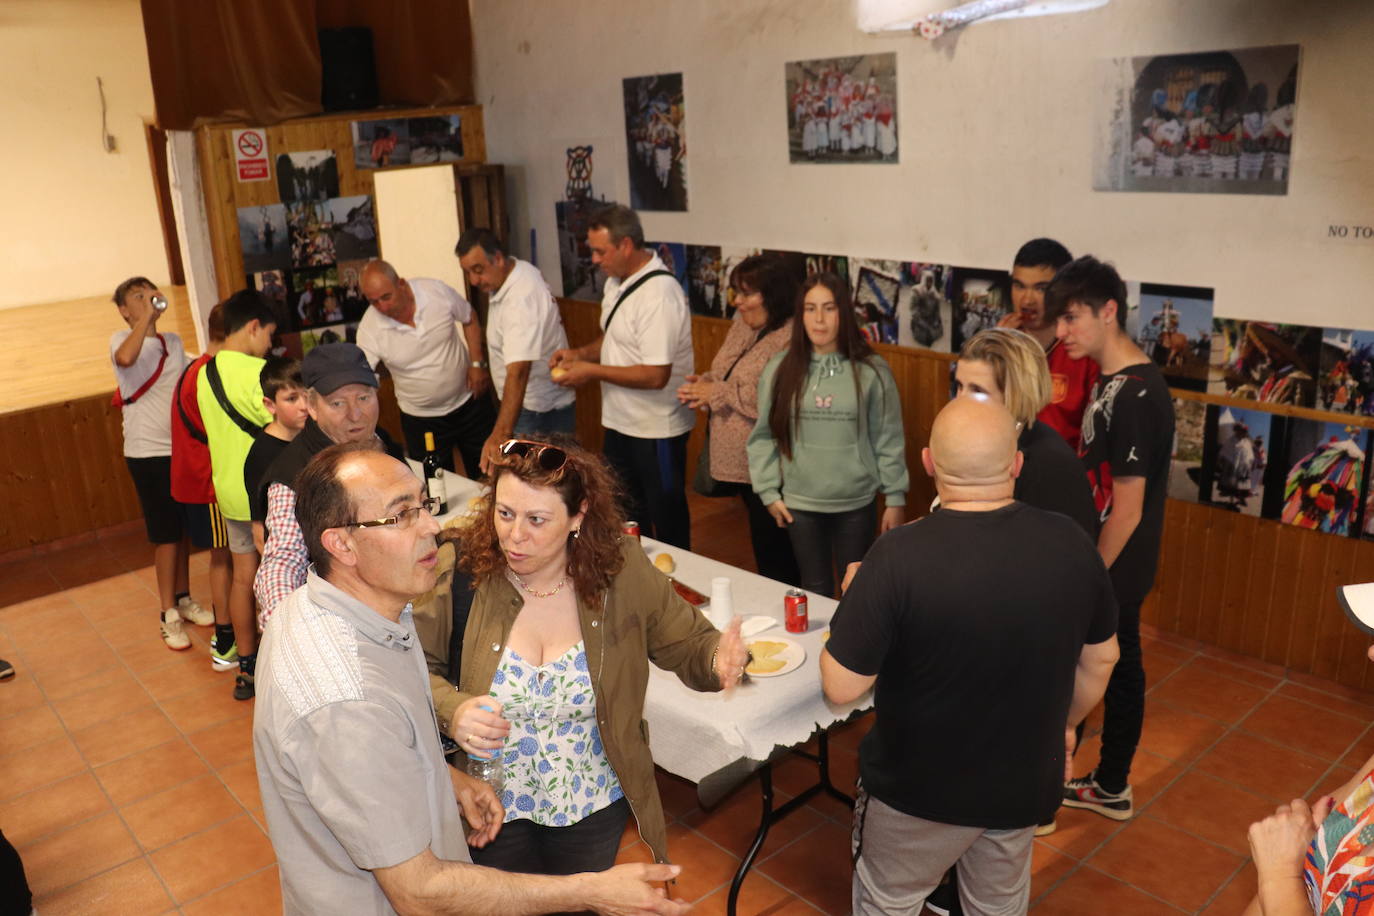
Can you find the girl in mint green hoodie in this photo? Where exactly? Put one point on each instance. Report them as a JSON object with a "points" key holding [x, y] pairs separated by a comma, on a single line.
{"points": [[828, 438]]}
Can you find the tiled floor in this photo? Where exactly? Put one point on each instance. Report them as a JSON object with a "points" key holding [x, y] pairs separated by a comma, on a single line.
{"points": [[127, 782]]}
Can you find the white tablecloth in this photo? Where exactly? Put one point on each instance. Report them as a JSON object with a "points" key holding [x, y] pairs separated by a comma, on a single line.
{"points": [[697, 734]]}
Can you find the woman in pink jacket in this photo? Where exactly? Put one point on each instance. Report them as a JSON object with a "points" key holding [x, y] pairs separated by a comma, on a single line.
{"points": [[765, 298]]}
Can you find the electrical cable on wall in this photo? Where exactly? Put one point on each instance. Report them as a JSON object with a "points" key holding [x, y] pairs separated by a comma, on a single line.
{"points": [[107, 139]]}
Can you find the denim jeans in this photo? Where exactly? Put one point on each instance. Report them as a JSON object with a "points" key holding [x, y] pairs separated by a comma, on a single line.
{"points": [[558, 420]]}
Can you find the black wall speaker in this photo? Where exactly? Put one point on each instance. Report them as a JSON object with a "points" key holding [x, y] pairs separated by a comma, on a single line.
{"points": [[350, 70]]}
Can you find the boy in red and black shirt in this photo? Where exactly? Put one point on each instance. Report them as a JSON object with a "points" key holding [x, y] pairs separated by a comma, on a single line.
{"points": [[193, 489], [1071, 377]]}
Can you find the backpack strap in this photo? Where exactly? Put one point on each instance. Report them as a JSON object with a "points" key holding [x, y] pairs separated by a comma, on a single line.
{"points": [[192, 430], [217, 386]]}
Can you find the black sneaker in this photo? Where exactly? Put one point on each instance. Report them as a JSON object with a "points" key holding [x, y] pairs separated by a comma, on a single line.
{"points": [[1085, 793], [6, 670], [243, 687]]}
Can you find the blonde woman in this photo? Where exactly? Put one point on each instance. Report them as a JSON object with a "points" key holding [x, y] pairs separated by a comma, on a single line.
{"points": [[1008, 366]]}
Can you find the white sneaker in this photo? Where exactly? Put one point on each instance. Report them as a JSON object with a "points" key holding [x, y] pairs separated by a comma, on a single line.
{"points": [[192, 612], [172, 633]]}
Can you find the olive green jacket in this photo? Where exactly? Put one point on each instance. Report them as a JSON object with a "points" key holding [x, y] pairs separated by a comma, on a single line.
{"points": [[643, 619]]}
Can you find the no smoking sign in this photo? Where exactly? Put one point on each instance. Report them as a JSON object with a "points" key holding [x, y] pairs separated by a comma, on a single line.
{"points": [[250, 154]]}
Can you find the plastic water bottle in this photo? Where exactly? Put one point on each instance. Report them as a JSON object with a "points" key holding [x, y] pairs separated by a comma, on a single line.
{"points": [[489, 770]]}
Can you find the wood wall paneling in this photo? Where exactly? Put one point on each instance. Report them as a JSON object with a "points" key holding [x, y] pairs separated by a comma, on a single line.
{"points": [[64, 472]]}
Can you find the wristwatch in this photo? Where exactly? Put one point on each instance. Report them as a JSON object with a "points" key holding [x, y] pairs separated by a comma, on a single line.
{"points": [[479, 364]]}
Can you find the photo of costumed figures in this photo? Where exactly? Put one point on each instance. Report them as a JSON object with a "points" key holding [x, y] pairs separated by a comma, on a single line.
{"points": [[842, 109], [1215, 122]]}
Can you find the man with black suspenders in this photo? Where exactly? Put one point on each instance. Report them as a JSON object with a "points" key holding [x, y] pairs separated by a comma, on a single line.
{"points": [[641, 357]]}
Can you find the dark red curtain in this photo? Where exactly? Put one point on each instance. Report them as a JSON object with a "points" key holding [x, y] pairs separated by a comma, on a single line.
{"points": [[258, 61], [423, 48]]}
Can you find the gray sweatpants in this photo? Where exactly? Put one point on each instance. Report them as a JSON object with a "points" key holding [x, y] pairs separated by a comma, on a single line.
{"points": [[900, 859]]}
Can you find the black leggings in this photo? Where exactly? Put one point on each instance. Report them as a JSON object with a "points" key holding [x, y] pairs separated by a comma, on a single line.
{"points": [[825, 541], [772, 546], [589, 845]]}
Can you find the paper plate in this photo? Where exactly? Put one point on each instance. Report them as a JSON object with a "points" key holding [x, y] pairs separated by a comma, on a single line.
{"points": [[792, 656]]}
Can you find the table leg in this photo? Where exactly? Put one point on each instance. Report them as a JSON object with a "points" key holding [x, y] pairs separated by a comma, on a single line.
{"points": [[765, 822], [771, 816]]}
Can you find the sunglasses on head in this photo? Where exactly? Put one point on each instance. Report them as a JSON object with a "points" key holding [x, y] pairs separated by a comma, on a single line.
{"points": [[545, 456]]}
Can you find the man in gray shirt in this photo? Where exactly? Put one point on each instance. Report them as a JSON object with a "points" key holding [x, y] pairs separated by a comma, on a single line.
{"points": [[360, 805]]}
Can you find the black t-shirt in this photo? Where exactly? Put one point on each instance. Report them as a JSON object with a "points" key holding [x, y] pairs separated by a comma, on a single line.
{"points": [[1128, 431], [1052, 478], [973, 623], [266, 447]]}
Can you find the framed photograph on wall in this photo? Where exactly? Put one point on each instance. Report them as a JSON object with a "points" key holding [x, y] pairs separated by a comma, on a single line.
{"points": [[705, 282], [1190, 434], [656, 141], [1265, 361], [581, 278], [842, 109], [1346, 382], [979, 299], [1235, 456], [877, 290], [924, 314], [1175, 331], [1216, 122], [674, 257], [264, 238], [1323, 470], [380, 143], [312, 175]]}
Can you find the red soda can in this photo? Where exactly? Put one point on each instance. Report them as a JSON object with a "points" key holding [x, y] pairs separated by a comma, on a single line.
{"points": [[631, 529], [794, 611]]}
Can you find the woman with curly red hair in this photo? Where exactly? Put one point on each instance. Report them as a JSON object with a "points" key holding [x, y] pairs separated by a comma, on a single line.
{"points": [[566, 615]]}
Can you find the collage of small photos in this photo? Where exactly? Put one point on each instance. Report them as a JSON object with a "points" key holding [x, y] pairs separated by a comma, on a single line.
{"points": [[1307, 472], [307, 252]]}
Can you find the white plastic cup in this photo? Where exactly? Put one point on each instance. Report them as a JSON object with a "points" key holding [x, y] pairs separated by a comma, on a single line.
{"points": [[722, 602]]}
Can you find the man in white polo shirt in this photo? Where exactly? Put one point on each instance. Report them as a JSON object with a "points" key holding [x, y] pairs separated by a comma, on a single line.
{"points": [[524, 329], [442, 382], [644, 352]]}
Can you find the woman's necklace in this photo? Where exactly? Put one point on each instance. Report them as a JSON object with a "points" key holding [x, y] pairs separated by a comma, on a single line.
{"points": [[538, 594]]}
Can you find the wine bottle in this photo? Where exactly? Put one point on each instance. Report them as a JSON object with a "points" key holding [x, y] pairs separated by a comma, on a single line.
{"points": [[435, 485]]}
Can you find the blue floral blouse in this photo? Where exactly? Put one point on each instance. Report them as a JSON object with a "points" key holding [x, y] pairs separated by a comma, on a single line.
{"points": [[556, 771]]}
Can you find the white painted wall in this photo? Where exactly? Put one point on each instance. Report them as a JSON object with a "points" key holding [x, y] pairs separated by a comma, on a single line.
{"points": [[996, 133], [74, 219]]}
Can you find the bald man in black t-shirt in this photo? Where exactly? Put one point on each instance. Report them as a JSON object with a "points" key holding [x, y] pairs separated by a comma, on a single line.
{"points": [[990, 624]]}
